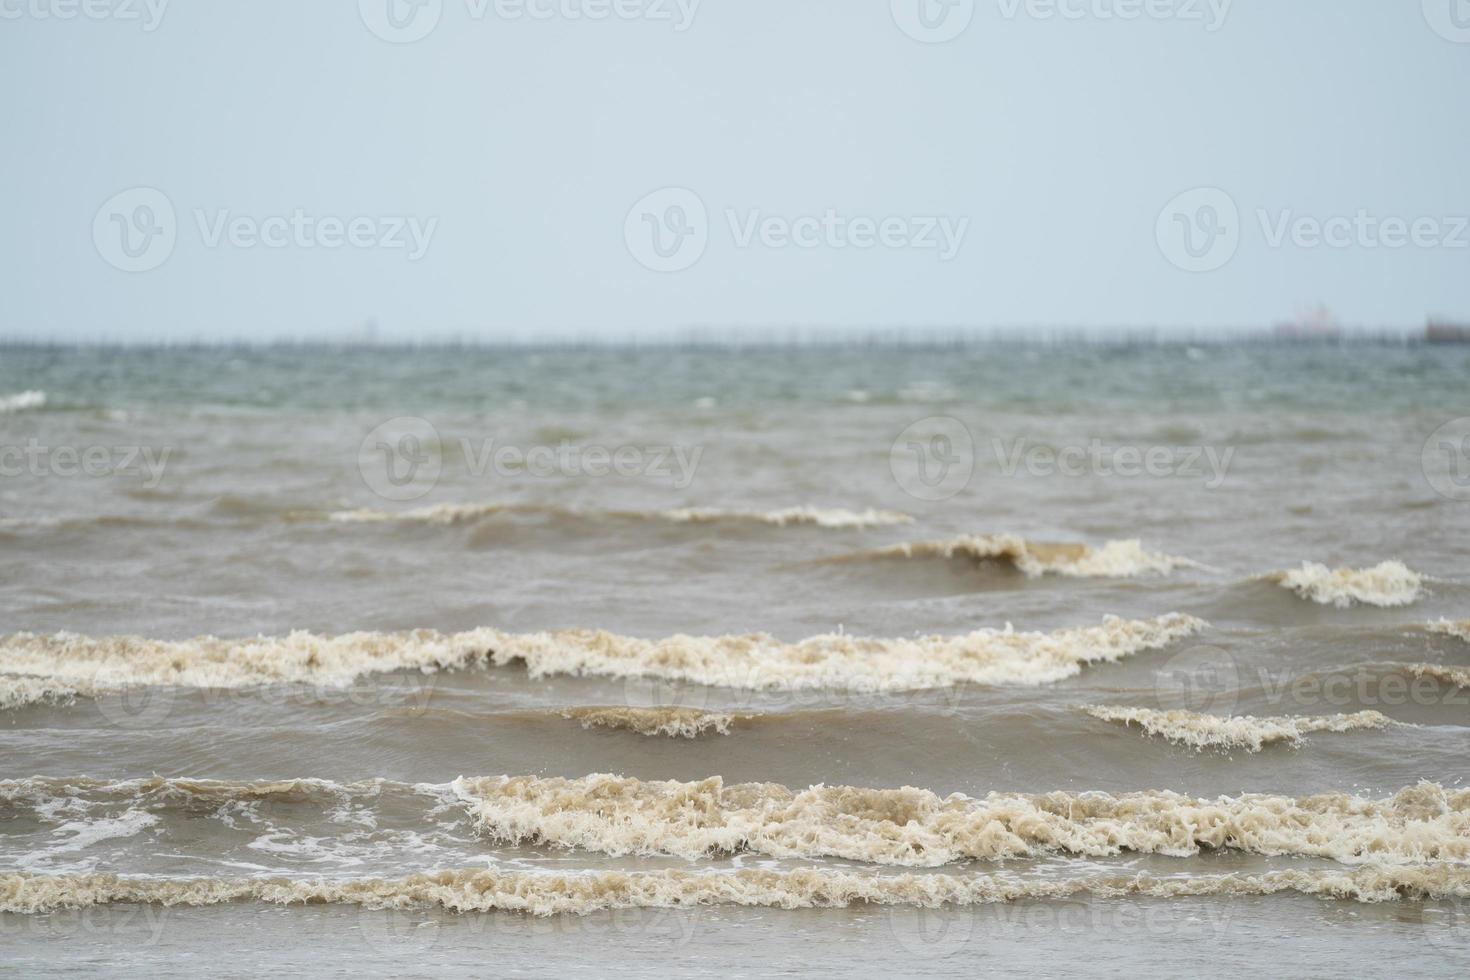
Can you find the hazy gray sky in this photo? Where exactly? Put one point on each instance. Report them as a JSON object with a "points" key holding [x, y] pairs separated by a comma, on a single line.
{"points": [[504, 167]]}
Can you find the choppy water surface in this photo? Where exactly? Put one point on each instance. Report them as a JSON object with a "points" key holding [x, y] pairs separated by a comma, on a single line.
{"points": [[1124, 659]]}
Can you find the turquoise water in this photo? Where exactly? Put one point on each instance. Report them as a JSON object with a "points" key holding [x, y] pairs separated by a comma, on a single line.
{"points": [[1354, 378]]}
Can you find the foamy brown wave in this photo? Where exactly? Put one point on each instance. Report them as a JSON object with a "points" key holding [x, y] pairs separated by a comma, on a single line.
{"points": [[673, 722], [914, 827], [1241, 731], [1456, 676], [752, 662], [18, 691], [463, 513], [816, 516], [1115, 559], [1460, 629], [1389, 583], [553, 894]]}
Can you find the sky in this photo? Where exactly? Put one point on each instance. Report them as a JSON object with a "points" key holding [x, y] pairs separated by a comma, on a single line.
{"points": [[189, 170]]}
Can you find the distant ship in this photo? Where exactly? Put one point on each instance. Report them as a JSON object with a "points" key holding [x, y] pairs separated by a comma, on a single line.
{"points": [[1445, 332]]}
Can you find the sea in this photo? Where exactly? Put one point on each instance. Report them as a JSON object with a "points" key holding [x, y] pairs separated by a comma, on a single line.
{"points": [[1116, 659]]}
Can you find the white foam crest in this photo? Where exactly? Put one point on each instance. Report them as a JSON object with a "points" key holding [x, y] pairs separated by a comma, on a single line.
{"points": [[1247, 732], [1114, 559], [21, 401], [1389, 583], [449, 514], [671, 722], [619, 815], [17, 691], [544, 894], [78, 835], [1454, 676], [1459, 629], [752, 661]]}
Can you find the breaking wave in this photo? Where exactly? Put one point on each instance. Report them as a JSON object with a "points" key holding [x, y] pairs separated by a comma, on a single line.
{"points": [[1454, 676], [18, 691], [21, 401], [1200, 731], [37, 666], [1115, 559], [673, 722], [1389, 583], [447, 514], [917, 828], [554, 894], [1460, 629]]}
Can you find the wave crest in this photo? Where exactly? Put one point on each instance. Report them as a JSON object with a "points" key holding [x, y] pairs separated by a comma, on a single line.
{"points": [[43, 663], [448, 514], [1115, 559], [1455, 676], [20, 401], [1247, 732], [555, 894], [1389, 583], [1459, 630], [673, 722], [915, 827]]}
